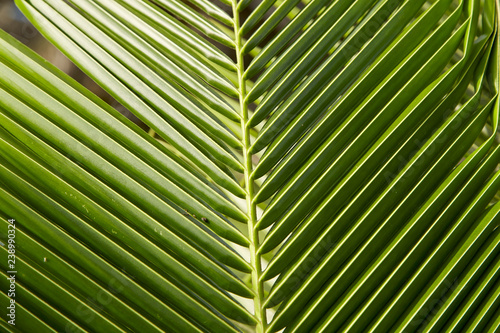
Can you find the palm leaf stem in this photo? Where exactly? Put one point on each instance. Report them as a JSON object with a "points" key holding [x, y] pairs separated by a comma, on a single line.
{"points": [[253, 232]]}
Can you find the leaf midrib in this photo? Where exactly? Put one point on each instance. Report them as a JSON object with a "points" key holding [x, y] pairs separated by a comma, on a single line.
{"points": [[253, 234]]}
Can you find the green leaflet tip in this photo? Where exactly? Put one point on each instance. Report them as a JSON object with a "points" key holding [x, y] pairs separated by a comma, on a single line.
{"points": [[242, 5], [243, 31], [245, 76], [239, 168], [236, 214], [264, 193], [264, 277], [238, 238], [239, 192], [237, 145], [244, 50], [242, 169], [234, 93], [257, 173], [257, 227], [229, 65], [227, 20], [246, 292], [258, 145], [252, 95], [263, 224], [263, 249], [233, 116], [254, 120], [240, 265], [223, 39], [268, 304], [250, 72], [251, 150], [242, 316], [256, 198]]}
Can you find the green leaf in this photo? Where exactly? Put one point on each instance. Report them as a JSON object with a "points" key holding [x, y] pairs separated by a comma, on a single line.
{"points": [[314, 166]]}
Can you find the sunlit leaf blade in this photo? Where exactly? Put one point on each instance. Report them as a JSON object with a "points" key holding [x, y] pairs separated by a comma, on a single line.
{"points": [[197, 21], [61, 172], [194, 146], [161, 29], [307, 166], [105, 17], [418, 76]]}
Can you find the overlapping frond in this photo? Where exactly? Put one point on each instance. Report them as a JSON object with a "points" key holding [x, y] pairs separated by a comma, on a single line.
{"points": [[364, 163], [362, 136], [81, 180]]}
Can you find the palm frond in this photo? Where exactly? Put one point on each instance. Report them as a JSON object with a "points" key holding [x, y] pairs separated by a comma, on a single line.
{"points": [[336, 162]]}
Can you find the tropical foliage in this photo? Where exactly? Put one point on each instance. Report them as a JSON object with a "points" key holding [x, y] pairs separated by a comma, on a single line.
{"points": [[313, 166]]}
